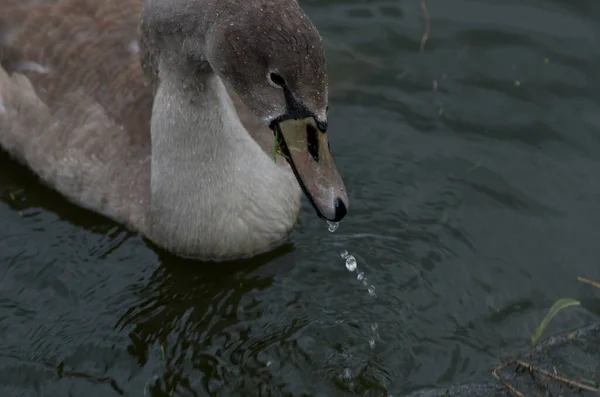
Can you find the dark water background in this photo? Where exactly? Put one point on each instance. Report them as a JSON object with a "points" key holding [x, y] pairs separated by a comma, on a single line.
{"points": [[473, 170]]}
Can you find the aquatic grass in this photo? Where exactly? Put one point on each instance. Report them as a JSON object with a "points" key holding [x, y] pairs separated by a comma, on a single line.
{"points": [[558, 306], [588, 281]]}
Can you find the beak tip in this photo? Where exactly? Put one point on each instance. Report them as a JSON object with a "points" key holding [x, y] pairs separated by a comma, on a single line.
{"points": [[340, 210]]}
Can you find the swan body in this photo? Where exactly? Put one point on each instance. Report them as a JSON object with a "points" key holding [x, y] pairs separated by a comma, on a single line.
{"points": [[161, 114]]}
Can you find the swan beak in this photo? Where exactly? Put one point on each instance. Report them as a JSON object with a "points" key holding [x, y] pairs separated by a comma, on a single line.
{"points": [[307, 151]]}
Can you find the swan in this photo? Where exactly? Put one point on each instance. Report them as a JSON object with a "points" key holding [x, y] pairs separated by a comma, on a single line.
{"points": [[197, 123]]}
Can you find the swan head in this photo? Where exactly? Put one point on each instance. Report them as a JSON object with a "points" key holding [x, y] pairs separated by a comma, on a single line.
{"points": [[273, 57]]}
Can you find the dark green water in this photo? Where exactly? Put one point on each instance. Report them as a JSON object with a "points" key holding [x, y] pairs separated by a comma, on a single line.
{"points": [[475, 204]]}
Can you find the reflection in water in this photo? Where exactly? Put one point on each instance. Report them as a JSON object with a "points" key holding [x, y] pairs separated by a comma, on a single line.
{"points": [[216, 332]]}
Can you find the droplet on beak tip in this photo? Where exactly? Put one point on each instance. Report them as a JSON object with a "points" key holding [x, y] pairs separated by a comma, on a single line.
{"points": [[332, 226]]}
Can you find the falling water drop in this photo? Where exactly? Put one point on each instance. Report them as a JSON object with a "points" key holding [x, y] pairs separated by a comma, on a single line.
{"points": [[347, 374], [351, 263], [344, 254], [360, 276], [371, 290], [332, 226]]}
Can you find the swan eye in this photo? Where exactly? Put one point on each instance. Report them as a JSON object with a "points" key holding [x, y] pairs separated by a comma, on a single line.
{"points": [[276, 80]]}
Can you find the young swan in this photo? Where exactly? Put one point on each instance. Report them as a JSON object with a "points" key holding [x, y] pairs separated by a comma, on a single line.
{"points": [[172, 158]]}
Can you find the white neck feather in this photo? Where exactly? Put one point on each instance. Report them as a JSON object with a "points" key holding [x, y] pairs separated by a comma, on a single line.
{"points": [[215, 194]]}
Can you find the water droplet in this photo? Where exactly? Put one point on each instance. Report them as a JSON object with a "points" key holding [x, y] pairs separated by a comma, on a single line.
{"points": [[371, 290], [372, 343], [344, 254], [351, 263], [347, 373], [364, 281], [332, 226], [360, 276], [374, 327]]}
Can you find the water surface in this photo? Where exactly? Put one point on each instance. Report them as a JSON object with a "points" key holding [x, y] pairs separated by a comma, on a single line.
{"points": [[472, 169]]}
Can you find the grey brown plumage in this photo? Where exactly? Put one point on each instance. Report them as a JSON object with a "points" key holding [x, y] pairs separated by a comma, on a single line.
{"points": [[95, 104], [86, 46]]}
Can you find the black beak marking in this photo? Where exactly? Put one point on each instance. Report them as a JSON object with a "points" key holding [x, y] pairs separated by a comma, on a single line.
{"points": [[313, 142], [296, 110]]}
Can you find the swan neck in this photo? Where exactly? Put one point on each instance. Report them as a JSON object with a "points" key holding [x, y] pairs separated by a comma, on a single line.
{"points": [[214, 192]]}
